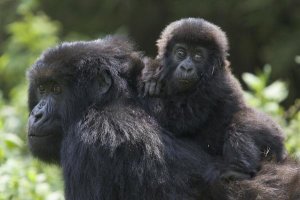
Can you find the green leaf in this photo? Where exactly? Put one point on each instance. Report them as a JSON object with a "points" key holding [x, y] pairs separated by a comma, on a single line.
{"points": [[277, 91], [11, 140], [252, 81], [267, 70], [297, 59]]}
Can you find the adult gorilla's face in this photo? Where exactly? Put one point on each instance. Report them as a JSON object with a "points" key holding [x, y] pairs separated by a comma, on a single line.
{"points": [[66, 80], [45, 125], [52, 91], [63, 83]]}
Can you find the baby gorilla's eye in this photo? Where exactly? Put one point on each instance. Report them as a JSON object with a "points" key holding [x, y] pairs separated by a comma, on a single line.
{"points": [[56, 89], [180, 53], [41, 89], [198, 57]]}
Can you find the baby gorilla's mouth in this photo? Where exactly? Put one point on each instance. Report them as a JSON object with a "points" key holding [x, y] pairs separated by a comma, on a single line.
{"points": [[187, 81], [185, 84], [184, 81]]}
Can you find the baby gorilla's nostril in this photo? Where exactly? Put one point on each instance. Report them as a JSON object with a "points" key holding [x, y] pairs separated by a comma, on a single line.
{"points": [[189, 69], [186, 68]]}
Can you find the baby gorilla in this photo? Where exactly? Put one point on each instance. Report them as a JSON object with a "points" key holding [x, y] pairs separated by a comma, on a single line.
{"points": [[201, 100], [85, 116]]}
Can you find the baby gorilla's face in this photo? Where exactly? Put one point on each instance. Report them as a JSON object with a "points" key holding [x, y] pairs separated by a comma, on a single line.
{"points": [[187, 66]]}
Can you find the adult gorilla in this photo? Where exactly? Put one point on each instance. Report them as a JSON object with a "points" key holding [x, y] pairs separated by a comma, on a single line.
{"points": [[84, 115], [110, 147]]}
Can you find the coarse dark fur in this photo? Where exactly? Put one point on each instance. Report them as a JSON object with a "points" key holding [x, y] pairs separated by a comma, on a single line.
{"points": [[109, 147], [273, 181], [211, 110], [45, 124]]}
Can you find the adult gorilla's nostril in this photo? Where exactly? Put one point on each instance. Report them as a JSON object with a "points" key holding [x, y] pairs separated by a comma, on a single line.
{"points": [[41, 104], [38, 116]]}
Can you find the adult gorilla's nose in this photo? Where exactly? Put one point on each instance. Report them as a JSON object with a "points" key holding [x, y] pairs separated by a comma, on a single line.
{"points": [[38, 115]]}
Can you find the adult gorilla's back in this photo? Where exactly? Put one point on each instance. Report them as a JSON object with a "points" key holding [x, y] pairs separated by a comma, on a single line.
{"points": [[275, 181], [85, 116], [107, 145]]}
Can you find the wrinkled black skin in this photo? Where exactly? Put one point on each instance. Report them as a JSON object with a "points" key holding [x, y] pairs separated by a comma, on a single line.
{"points": [[105, 142], [45, 129], [208, 108]]}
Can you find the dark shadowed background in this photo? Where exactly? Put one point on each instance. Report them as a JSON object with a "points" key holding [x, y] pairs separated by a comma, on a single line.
{"points": [[260, 31], [264, 40]]}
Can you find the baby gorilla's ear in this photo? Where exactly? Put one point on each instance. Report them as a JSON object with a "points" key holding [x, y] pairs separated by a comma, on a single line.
{"points": [[104, 82]]}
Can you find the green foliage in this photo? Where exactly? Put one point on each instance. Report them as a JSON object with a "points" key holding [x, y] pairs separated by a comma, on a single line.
{"points": [[28, 38], [267, 97], [297, 59], [24, 178], [262, 95], [293, 130], [21, 176]]}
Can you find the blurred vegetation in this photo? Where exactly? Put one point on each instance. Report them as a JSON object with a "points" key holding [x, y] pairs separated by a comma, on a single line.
{"points": [[259, 31], [267, 97], [22, 177]]}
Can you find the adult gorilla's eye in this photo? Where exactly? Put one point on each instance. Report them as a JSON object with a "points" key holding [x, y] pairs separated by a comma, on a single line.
{"points": [[56, 89], [180, 53], [42, 89]]}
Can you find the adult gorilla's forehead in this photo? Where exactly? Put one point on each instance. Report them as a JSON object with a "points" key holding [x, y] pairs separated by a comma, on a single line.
{"points": [[68, 58]]}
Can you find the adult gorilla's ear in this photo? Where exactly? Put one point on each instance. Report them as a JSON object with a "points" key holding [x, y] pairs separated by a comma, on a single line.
{"points": [[132, 68], [132, 65], [104, 81]]}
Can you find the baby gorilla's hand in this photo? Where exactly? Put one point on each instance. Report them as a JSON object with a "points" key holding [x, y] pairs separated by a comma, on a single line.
{"points": [[152, 88], [151, 77]]}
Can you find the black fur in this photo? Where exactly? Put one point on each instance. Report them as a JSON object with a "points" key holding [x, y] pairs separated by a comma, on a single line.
{"points": [[212, 112], [111, 148], [273, 181], [47, 109]]}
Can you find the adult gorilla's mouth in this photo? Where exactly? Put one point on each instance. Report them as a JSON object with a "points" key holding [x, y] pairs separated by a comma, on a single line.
{"points": [[47, 130], [41, 135]]}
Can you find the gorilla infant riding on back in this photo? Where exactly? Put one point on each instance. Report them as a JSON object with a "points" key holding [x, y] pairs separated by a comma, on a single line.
{"points": [[85, 114]]}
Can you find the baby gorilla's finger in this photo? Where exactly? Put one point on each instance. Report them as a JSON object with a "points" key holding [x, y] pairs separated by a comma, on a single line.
{"points": [[157, 88], [146, 88], [152, 88]]}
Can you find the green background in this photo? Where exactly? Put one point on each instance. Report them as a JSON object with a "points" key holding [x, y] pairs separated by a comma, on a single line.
{"points": [[264, 38]]}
